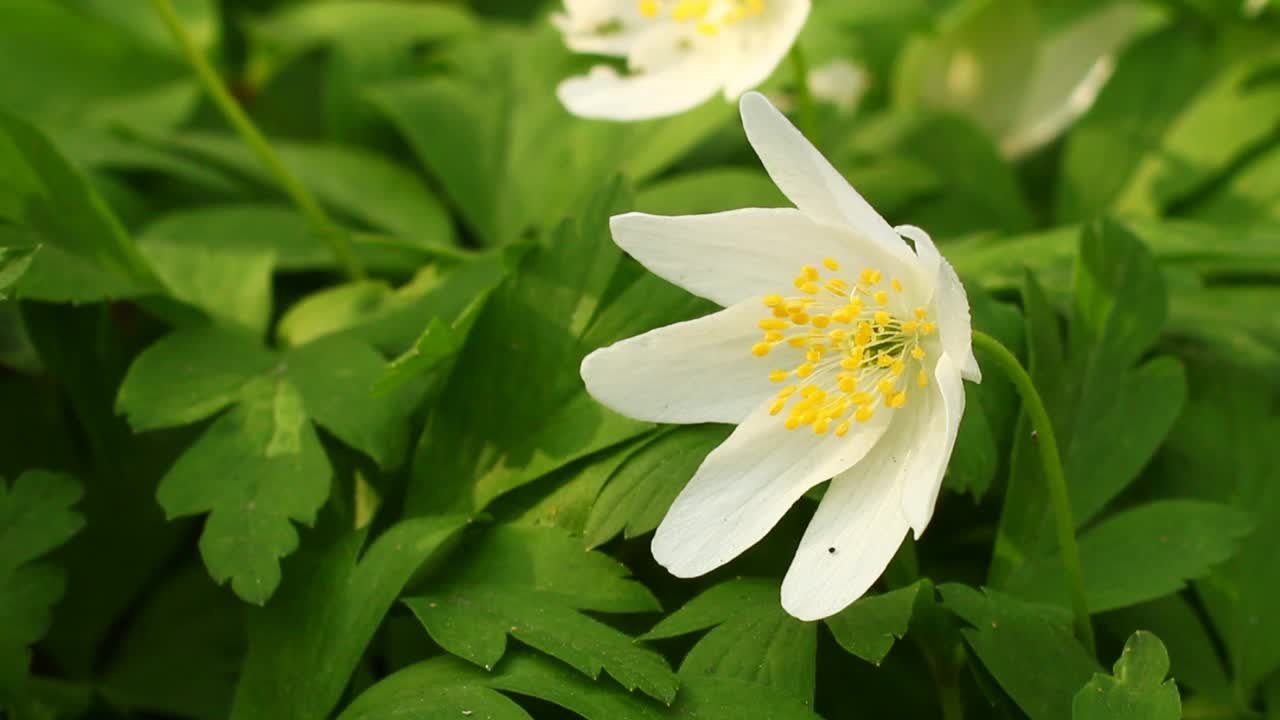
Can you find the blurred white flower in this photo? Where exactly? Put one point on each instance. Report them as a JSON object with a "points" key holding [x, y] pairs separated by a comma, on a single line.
{"points": [[840, 354], [679, 53], [840, 82]]}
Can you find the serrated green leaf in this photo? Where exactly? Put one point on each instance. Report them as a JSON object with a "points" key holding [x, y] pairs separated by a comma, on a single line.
{"points": [[1141, 554], [257, 468], [335, 377], [1005, 632], [304, 646], [79, 251], [189, 376], [643, 488], [1109, 416], [752, 638], [870, 626], [1137, 691], [531, 583], [35, 518]]}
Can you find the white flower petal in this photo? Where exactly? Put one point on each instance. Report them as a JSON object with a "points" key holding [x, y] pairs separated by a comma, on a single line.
{"points": [[934, 441], [726, 257], [805, 176], [690, 372], [604, 94], [762, 42], [954, 324], [857, 528], [747, 484]]}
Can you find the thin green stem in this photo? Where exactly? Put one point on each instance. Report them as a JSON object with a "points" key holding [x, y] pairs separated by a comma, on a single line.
{"points": [[338, 241], [805, 109], [1054, 478]]}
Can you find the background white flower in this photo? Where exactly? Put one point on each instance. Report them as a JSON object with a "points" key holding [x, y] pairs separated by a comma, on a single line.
{"points": [[679, 53], [840, 354]]}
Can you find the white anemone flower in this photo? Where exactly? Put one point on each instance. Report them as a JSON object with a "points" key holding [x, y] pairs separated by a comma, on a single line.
{"points": [[679, 53], [840, 353]]}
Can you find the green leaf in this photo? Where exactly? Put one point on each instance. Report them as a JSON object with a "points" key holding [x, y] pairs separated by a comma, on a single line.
{"points": [[1109, 416], [255, 469], [444, 689], [78, 251], [639, 493], [531, 583], [711, 190], [229, 285], [509, 156], [869, 627], [1137, 691], [260, 464], [1005, 632], [514, 408], [1196, 658], [62, 66], [240, 229], [752, 638], [1141, 554], [35, 518], [304, 646]]}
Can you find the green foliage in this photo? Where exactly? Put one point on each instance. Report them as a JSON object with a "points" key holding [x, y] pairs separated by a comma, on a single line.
{"points": [[1137, 690], [35, 518], [421, 511]]}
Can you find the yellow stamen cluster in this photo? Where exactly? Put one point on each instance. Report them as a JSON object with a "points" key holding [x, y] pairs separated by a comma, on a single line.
{"points": [[709, 16], [859, 341]]}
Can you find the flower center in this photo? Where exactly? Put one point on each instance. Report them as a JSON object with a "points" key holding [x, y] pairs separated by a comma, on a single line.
{"points": [[862, 348], [709, 16]]}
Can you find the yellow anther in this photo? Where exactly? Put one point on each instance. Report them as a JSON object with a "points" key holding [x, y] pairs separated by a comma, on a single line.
{"points": [[809, 391], [928, 328], [910, 326], [821, 426], [921, 313], [779, 312], [808, 417], [796, 306], [760, 349], [772, 324], [881, 297], [791, 423], [809, 288], [708, 29], [800, 318], [861, 398], [821, 321], [779, 376], [842, 429], [649, 8], [773, 336], [897, 284], [917, 352], [855, 305], [810, 272], [847, 384], [838, 335], [787, 391], [849, 362], [843, 315], [922, 379], [884, 360], [830, 264], [837, 286], [863, 337], [814, 354], [688, 9], [773, 300], [799, 281], [897, 400], [804, 370], [797, 341], [882, 318], [897, 368], [885, 386], [864, 413], [776, 406], [869, 276]]}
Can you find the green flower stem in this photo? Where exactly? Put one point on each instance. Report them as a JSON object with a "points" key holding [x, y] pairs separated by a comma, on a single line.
{"points": [[807, 112], [337, 240], [1057, 482]]}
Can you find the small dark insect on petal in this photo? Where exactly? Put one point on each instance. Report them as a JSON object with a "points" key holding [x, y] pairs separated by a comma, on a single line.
{"points": [[831, 550]]}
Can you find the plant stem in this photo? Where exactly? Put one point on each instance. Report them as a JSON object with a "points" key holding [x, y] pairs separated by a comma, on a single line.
{"points": [[338, 241], [1054, 478], [805, 109]]}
